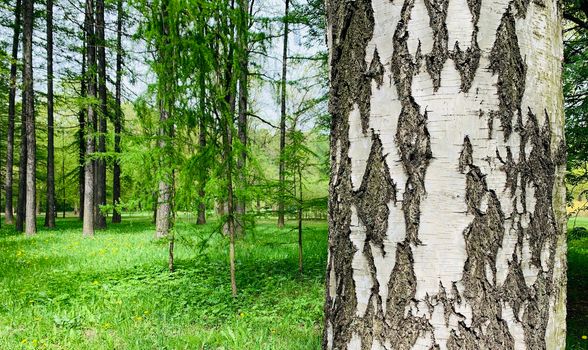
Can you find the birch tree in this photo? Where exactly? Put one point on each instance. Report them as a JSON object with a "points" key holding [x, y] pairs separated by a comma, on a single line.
{"points": [[447, 204]]}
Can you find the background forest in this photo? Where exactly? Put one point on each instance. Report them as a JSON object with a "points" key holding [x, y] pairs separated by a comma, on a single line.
{"points": [[191, 139]]}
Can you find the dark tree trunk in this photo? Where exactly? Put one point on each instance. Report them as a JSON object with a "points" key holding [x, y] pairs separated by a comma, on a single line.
{"points": [[8, 211], [29, 114], [82, 132], [282, 170], [88, 224], [50, 208], [100, 190], [116, 217], [22, 176]]}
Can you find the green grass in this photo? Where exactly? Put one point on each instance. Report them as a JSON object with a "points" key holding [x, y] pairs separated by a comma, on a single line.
{"points": [[61, 291]]}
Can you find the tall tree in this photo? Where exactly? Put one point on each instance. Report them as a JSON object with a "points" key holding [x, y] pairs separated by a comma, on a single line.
{"points": [[22, 176], [81, 134], [88, 219], [447, 202], [166, 85], [243, 45], [282, 170], [50, 207], [8, 211], [100, 176], [116, 217], [29, 118]]}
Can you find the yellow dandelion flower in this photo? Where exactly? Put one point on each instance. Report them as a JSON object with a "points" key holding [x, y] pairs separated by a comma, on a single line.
{"points": [[24, 341], [585, 337]]}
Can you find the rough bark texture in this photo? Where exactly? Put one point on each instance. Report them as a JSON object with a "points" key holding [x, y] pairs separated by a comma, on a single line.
{"points": [[90, 143], [8, 211], [50, 205], [116, 217], [447, 202], [29, 118], [100, 190], [282, 166]]}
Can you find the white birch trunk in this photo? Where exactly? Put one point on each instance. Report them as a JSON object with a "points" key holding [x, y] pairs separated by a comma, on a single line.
{"points": [[447, 217]]}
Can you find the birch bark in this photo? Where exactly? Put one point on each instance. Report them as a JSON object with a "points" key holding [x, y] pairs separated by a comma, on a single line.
{"points": [[447, 203]]}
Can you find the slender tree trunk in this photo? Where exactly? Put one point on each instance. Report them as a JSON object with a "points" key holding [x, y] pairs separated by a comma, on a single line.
{"points": [[100, 190], [203, 172], [82, 131], [162, 218], [282, 170], [22, 176], [447, 204], [88, 223], [228, 155], [50, 208], [165, 92], [29, 114], [300, 203], [116, 217], [242, 30], [8, 211]]}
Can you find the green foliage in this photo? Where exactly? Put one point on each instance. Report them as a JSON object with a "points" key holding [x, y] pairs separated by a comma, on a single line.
{"points": [[61, 291]]}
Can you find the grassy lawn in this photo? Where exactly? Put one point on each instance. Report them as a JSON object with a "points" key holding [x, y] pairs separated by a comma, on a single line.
{"points": [[60, 291]]}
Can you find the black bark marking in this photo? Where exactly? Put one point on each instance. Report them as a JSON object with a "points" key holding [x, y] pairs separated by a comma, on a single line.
{"points": [[412, 136], [403, 331], [507, 63], [437, 10], [468, 61], [375, 192], [352, 27], [376, 70]]}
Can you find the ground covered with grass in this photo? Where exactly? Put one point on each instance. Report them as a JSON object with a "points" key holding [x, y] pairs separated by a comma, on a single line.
{"points": [[61, 291]]}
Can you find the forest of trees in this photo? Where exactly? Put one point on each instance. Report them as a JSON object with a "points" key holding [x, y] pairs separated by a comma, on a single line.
{"points": [[196, 92], [418, 121]]}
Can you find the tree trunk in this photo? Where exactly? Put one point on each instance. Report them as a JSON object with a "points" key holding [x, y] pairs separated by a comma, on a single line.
{"points": [[162, 218], [203, 172], [50, 208], [100, 190], [29, 115], [300, 206], [447, 204], [8, 211], [22, 175], [242, 30], [165, 79], [116, 217], [282, 169], [82, 132], [88, 224]]}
